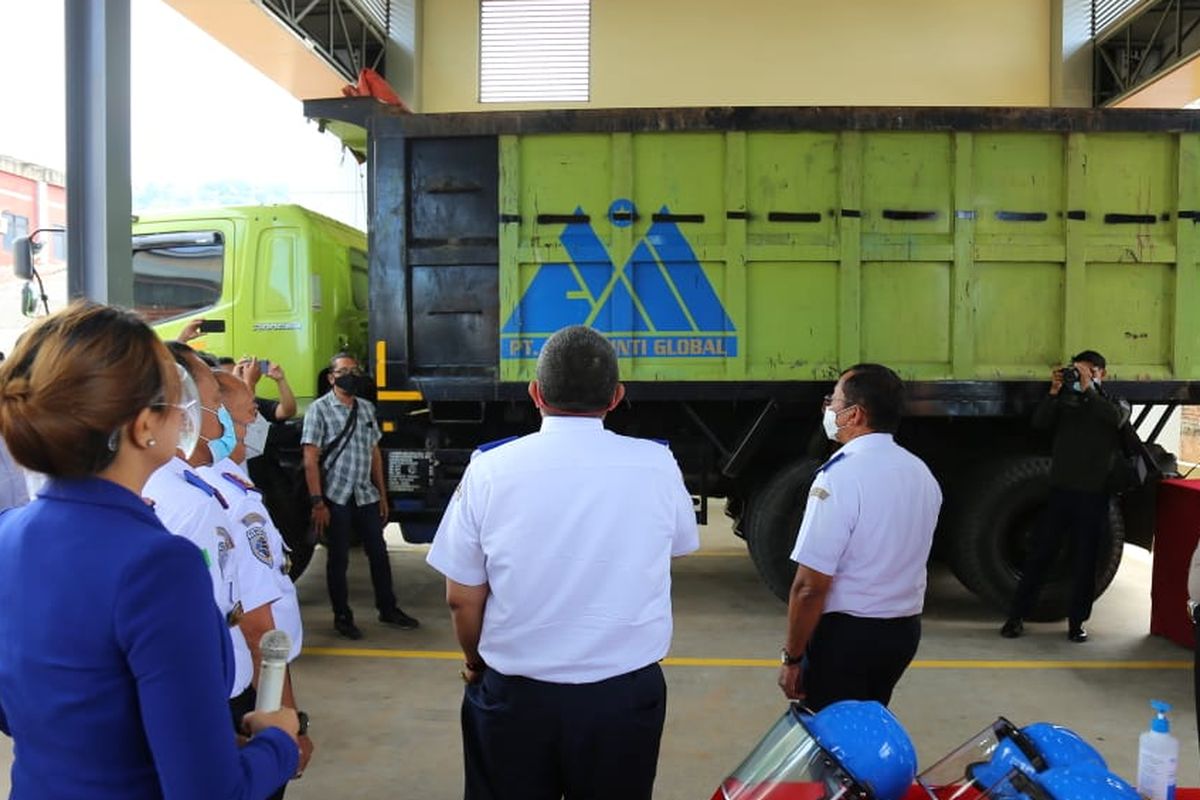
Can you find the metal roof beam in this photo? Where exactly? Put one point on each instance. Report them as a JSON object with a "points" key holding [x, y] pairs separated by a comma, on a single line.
{"points": [[347, 34], [1143, 47]]}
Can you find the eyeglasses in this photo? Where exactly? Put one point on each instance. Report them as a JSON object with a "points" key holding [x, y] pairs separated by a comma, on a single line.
{"points": [[337, 373]]}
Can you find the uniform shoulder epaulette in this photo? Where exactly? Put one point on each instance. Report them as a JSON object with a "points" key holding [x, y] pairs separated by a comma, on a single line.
{"points": [[838, 456], [483, 448], [204, 486], [241, 483]]}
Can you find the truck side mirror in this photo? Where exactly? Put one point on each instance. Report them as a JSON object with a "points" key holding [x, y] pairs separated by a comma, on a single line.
{"points": [[23, 258]]}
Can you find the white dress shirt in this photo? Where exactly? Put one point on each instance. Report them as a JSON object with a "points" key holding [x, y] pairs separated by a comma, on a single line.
{"points": [[251, 551], [264, 549], [869, 524], [572, 529], [188, 510]]}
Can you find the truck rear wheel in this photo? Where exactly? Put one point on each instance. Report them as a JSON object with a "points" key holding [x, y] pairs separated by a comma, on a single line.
{"points": [[992, 530], [772, 521]]}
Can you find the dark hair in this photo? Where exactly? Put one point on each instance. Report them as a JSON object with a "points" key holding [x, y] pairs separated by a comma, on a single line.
{"points": [[577, 370], [208, 358], [73, 381], [225, 361], [183, 354], [878, 391], [1092, 357]]}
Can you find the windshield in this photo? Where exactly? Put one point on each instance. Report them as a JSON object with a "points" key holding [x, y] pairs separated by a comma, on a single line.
{"points": [[177, 274]]}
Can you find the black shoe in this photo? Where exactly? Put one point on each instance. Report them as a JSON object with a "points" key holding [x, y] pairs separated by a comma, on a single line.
{"points": [[1013, 627], [346, 627], [1077, 634], [394, 616]]}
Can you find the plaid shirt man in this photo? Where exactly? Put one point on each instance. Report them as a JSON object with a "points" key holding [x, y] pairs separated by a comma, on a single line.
{"points": [[348, 477]]}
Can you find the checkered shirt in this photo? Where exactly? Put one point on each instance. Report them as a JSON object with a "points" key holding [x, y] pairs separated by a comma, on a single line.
{"points": [[348, 478]]}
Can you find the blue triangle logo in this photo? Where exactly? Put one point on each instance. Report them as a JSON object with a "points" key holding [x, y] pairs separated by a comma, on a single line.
{"points": [[659, 303]]}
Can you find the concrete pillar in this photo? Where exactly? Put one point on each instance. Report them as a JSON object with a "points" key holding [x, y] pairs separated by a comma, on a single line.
{"points": [[99, 264]]}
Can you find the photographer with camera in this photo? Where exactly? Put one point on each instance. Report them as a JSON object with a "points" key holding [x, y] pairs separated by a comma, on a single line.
{"points": [[1086, 423]]}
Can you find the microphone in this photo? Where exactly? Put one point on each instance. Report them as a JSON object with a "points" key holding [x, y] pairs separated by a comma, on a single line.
{"points": [[275, 645]]}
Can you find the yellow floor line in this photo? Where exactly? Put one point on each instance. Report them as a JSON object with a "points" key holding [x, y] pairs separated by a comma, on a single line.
{"points": [[684, 661]]}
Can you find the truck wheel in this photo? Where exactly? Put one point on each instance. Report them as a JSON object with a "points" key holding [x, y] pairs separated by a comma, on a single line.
{"points": [[772, 520], [993, 528]]}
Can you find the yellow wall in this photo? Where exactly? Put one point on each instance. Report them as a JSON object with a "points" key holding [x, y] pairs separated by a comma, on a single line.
{"points": [[776, 52]]}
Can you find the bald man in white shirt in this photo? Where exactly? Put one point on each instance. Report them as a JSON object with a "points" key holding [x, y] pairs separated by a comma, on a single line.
{"points": [[557, 553]]}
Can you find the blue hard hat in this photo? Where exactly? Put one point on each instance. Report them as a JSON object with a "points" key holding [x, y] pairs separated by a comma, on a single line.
{"points": [[869, 743], [1035, 748], [1085, 782]]}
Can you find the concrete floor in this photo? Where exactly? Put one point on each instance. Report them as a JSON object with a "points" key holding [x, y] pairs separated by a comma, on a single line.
{"points": [[385, 712]]}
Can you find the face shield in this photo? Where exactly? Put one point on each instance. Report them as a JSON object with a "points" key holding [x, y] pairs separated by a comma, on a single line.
{"points": [[189, 416], [789, 764], [968, 770]]}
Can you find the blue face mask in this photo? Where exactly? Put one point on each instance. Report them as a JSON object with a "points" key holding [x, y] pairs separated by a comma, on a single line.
{"points": [[222, 447]]}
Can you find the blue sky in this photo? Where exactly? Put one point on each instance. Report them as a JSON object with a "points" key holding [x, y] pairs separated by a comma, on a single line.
{"points": [[201, 117]]}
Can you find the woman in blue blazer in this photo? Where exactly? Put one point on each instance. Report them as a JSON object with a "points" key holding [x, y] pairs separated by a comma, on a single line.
{"points": [[115, 663]]}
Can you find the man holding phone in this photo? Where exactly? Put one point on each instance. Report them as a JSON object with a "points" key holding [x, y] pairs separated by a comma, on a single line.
{"points": [[250, 370]]}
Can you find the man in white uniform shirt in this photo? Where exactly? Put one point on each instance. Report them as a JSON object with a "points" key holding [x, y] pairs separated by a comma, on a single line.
{"points": [[191, 507], [854, 611], [265, 586], [190, 504], [557, 552]]}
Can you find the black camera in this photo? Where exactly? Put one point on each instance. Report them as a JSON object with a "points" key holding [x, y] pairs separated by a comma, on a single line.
{"points": [[1070, 374]]}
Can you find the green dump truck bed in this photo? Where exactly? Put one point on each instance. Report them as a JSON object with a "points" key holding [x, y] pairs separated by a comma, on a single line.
{"points": [[781, 245]]}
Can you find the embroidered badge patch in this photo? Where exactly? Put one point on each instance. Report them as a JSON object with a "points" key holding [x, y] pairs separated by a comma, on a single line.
{"points": [[256, 535], [818, 493], [224, 545]]}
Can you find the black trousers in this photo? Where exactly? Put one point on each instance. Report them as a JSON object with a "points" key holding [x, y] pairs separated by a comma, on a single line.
{"points": [[363, 520], [1196, 673], [239, 707], [530, 740], [858, 658], [1078, 520]]}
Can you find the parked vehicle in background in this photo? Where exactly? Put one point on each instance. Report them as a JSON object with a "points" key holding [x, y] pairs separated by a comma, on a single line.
{"points": [[740, 258]]}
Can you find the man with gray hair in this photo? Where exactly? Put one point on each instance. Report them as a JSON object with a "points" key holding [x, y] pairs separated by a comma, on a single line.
{"points": [[557, 552]]}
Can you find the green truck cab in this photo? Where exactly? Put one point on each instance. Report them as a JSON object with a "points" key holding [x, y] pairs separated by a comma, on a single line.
{"points": [[288, 285], [281, 283], [740, 258]]}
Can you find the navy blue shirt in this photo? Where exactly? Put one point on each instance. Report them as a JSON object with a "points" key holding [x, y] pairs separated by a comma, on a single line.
{"points": [[115, 664]]}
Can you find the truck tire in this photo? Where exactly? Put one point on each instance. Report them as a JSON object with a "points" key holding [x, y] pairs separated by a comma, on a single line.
{"points": [[772, 520], [991, 528]]}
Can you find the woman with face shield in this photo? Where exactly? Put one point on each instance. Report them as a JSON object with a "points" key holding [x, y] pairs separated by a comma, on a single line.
{"points": [[114, 661]]}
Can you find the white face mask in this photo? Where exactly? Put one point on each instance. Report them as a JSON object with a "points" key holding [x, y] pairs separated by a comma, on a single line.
{"points": [[255, 439], [829, 422]]}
